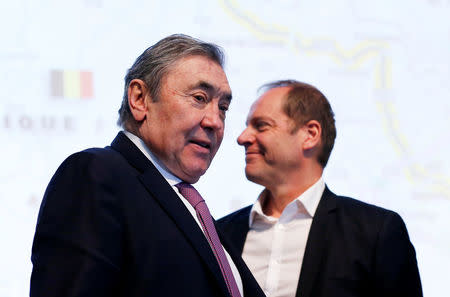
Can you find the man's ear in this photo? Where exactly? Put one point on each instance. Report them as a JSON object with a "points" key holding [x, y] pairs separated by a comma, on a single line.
{"points": [[313, 135], [137, 95]]}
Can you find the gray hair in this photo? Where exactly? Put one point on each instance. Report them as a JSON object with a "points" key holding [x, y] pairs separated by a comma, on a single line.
{"points": [[155, 62]]}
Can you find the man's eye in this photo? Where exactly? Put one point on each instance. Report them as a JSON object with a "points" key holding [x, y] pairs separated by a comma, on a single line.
{"points": [[200, 98], [260, 126], [223, 107]]}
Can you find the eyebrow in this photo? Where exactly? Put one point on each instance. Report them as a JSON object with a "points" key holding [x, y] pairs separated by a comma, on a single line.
{"points": [[206, 86], [257, 119]]}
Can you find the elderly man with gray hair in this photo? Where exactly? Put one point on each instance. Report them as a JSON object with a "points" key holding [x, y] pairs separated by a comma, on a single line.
{"points": [[124, 220]]}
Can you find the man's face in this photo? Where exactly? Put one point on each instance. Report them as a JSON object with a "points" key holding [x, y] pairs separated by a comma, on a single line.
{"points": [[184, 128], [271, 149]]}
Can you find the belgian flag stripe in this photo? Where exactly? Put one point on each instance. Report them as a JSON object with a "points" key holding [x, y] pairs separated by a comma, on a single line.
{"points": [[87, 88], [57, 88], [71, 84]]}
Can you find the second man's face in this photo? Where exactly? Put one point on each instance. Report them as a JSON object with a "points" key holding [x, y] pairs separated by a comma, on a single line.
{"points": [[184, 127], [271, 148]]}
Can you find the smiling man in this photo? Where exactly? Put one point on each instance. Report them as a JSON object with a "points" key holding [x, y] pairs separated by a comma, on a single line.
{"points": [[299, 239], [124, 220]]}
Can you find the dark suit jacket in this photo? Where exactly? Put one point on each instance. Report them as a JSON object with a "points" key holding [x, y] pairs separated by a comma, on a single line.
{"points": [[111, 225], [353, 249]]}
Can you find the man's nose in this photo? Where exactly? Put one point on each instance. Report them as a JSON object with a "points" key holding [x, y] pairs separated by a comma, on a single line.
{"points": [[213, 118], [246, 137]]}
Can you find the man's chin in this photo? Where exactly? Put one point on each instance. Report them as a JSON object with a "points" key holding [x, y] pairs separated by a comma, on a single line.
{"points": [[191, 179], [252, 176], [192, 175]]}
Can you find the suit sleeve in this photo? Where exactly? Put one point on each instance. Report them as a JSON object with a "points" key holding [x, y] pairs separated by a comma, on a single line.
{"points": [[396, 271], [77, 244]]}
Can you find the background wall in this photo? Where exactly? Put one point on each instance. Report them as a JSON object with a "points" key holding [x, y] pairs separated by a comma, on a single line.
{"points": [[384, 66]]}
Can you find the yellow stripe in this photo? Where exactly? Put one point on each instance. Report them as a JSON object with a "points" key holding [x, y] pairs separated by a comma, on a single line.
{"points": [[72, 84]]}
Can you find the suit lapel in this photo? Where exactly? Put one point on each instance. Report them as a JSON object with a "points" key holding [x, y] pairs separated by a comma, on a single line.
{"points": [[239, 229], [163, 193], [316, 244], [250, 285]]}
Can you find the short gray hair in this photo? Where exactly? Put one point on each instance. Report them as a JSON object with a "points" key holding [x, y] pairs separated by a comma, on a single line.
{"points": [[155, 62]]}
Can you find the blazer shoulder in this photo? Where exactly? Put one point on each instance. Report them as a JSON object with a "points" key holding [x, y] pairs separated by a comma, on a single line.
{"points": [[367, 216], [106, 154], [238, 215], [89, 170], [106, 160], [353, 205]]}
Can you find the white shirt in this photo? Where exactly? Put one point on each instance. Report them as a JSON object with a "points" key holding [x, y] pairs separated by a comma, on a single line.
{"points": [[173, 180], [274, 247]]}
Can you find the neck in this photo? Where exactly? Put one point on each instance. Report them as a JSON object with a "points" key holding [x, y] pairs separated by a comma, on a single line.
{"points": [[279, 195], [132, 128]]}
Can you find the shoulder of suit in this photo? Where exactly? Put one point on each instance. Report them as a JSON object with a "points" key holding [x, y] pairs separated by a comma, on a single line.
{"points": [[352, 206], [99, 161], [95, 155], [241, 214]]}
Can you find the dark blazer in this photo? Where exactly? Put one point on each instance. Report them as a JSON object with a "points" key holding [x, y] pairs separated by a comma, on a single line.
{"points": [[353, 249], [111, 225]]}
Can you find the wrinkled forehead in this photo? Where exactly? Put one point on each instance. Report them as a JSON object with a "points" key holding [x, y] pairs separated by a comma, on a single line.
{"points": [[198, 66], [200, 61]]}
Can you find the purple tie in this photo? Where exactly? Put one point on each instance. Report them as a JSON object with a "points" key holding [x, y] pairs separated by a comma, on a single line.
{"points": [[203, 215]]}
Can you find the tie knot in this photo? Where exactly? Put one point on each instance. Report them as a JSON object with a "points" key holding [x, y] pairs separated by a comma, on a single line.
{"points": [[190, 193]]}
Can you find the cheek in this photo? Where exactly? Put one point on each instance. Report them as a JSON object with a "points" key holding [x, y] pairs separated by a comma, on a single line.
{"points": [[264, 143], [219, 137]]}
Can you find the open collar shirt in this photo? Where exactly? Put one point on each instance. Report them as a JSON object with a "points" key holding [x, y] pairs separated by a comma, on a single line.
{"points": [[274, 247]]}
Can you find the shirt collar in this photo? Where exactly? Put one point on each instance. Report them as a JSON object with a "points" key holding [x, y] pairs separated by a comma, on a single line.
{"points": [[306, 203], [171, 179]]}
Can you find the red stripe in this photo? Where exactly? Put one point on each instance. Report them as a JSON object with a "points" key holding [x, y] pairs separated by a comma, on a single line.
{"points": [[86, 85]]}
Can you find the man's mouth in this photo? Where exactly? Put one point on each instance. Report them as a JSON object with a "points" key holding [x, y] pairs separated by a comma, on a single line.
{"points": [[204, 144], [252, 152]]}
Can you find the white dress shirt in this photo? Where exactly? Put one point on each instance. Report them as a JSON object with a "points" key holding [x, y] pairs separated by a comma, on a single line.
{"points": [[274, 247], [173, 180]]}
